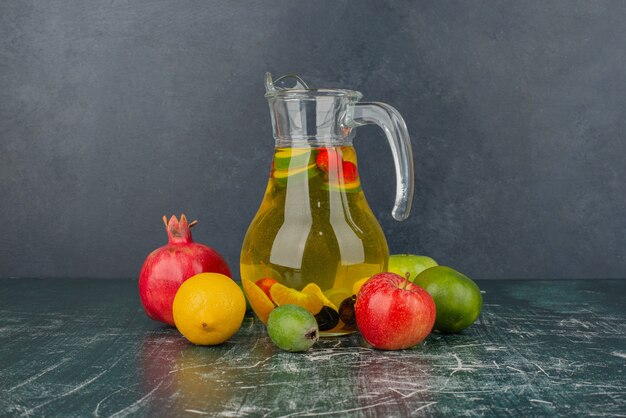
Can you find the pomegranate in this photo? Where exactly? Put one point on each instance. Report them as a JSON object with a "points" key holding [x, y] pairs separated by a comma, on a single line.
{"points": [[166, 268]]}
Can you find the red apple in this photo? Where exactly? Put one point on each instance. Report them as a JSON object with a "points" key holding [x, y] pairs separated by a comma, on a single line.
{"points": [[392, 313], [266, 284]]}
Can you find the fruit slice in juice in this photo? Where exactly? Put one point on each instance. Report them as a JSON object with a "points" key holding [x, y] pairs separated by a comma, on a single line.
{"points": [[260, 303], [265, 284], [283, 295], [306, 172], [291, 158], [347, 179], [329, 313], [313, 289], [328, 159], [349, 172]]}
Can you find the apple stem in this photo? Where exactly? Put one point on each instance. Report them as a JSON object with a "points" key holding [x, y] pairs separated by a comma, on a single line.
{"points": [[405, 284], [407, 275]]}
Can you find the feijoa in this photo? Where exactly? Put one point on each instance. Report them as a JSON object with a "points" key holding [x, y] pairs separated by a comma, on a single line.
{"points": [[292, 328]]}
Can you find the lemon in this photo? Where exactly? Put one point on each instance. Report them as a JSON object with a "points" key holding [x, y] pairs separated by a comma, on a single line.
{"points": [[209, 308]]}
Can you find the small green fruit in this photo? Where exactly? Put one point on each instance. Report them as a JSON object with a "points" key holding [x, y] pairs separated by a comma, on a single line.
{"points": [[292, 328], [456, 296], [410, 265]]}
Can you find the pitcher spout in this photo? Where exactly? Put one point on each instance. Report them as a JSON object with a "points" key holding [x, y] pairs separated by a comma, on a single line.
{"points": [[302, 116]]}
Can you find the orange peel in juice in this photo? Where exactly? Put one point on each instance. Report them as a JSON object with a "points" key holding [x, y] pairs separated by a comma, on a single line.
{"points": [[313, 289], [260, 303], [283, 295]]}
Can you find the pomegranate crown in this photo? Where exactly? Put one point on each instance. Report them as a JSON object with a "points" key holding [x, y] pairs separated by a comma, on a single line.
{"points": [[178, 231]]}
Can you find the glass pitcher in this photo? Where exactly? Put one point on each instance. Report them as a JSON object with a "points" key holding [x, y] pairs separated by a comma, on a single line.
{"points": [[314, 238]]}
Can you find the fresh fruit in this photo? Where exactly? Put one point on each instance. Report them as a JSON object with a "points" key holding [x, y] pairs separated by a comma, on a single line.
{"points": [[260, 302], [457, 297], [265, 284], [305, 172], [166, 268], [409, 265], [209, 308], [283, 295], [357, 286], [392, 313], [292, 328], [291, 158]]}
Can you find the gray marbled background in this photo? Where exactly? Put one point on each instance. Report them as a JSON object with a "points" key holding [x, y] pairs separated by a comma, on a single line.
{"points": [[115, 113]]}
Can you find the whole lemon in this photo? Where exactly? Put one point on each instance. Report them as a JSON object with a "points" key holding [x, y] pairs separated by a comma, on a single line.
{"points": [[209, 308]]}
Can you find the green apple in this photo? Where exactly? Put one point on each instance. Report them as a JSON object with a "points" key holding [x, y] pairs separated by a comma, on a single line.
{"points": [[410, 265]]}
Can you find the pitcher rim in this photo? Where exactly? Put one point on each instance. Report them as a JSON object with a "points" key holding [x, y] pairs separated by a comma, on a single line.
{"points": [[310, 93]]}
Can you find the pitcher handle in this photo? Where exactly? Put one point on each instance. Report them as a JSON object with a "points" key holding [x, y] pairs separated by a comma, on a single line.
{"points": [[393, 125]]}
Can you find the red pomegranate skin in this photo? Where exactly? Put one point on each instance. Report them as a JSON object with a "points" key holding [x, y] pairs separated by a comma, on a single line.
{"points": [[166, 268]]}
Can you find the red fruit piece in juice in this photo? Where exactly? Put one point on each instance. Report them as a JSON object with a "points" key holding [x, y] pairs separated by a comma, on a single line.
{"points": [[266, 284], [327, 158], [350, 172]]}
